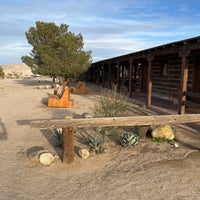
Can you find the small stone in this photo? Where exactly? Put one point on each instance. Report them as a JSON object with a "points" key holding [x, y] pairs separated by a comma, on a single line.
{"points": [[40, 87], [47, 86], [56, 157], [84, 153], [87, 115], [68, 117], [176, 145], [46, 158]]}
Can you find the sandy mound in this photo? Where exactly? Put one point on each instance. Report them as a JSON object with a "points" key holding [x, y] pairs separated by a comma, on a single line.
{"points": [[17, 70]]}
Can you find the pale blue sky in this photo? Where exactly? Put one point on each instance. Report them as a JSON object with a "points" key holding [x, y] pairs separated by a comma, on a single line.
{"points": [[110, 28]]}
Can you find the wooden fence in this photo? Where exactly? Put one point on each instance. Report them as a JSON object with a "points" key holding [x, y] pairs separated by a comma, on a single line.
{"points": [[69, 124]]}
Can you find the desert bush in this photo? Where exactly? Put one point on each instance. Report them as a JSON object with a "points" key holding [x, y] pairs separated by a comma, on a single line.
{"points": [[2, 74], [9, 75], [16, 74], [111, 104]]}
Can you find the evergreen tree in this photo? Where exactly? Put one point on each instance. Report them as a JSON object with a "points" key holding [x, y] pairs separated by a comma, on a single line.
{"points": [[56, 51]]}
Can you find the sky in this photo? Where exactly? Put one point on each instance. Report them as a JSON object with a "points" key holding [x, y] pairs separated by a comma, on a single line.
{"points": [[109, 28]]}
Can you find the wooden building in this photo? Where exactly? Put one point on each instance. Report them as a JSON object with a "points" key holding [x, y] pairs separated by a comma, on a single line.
{"points": [[170, 71]]}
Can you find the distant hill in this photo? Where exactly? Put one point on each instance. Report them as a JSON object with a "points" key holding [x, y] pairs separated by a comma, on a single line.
{"points": [[17, 70]]}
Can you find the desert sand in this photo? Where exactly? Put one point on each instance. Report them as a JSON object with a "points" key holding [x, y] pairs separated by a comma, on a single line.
{"points": [[148, 171]]}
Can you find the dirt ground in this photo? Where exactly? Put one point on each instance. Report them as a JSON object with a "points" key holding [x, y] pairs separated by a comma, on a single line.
{"points": [[148, 171]]}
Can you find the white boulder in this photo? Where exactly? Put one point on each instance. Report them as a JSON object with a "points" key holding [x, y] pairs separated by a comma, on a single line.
{"points": [[46, 159]]}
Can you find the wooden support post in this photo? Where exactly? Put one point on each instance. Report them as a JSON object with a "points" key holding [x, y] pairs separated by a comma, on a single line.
{"points": [[68, 145], [149, 79], [184, 78], [103, 74], [98, 75], [92, 74], [130, 77], [109, 75], [118, 77]]}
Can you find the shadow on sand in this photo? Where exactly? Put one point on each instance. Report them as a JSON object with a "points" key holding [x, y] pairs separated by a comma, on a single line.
{"points": [[34, 81]]}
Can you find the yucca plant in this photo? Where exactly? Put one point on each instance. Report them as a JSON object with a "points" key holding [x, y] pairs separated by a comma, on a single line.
{"points": [[58, 137], [129, 139], [96, 143]]}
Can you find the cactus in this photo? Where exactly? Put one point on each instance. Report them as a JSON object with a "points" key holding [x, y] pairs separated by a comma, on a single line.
{"points": [[129, 139], [96, 144], [58, 137]]}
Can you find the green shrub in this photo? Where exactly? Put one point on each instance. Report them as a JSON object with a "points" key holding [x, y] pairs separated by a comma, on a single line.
{"points": [[160, 140], [16, 74], [2, 74]]}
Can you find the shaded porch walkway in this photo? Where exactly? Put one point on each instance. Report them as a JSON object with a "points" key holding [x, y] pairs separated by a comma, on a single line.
{"points": [[166, 107]]}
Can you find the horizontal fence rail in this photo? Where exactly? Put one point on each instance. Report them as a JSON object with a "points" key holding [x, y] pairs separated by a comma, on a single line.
{"points": [[116, 121], [69, 124]]}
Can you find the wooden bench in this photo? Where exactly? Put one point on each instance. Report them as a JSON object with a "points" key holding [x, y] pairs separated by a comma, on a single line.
{"points": [[80, 88], [61, 99]]}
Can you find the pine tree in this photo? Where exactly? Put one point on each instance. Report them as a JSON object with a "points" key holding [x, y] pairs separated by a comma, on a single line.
{"points": [[56, 51]]}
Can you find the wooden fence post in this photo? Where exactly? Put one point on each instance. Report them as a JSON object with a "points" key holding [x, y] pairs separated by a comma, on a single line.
{"points": [[68, 145]]}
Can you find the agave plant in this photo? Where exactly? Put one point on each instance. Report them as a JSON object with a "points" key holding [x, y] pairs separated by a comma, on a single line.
{"points": [[58, 137], [129, 139], [96, 143]]}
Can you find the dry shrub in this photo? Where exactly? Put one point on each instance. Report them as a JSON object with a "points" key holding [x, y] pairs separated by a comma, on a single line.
{"points": [[111, 104]]}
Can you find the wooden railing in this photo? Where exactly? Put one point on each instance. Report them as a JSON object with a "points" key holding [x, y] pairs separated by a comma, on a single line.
{"points": [[69, 124]]}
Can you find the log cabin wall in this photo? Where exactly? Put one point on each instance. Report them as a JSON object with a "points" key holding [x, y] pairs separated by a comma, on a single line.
{"points": [[196, 78], [166, 76], [161, 70]]}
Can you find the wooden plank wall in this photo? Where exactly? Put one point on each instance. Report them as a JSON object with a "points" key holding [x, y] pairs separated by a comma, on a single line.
{"points": [[164, 85]]}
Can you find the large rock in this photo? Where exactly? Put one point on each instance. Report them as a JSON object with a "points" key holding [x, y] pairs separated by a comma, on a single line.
{"points": [[163, 131]]}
